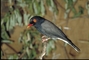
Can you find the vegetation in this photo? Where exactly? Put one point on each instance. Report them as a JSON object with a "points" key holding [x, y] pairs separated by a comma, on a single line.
{"points": [[20, 12]]}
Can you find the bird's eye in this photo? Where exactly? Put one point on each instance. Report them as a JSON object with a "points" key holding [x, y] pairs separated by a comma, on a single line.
{"points": [[34, 20]]}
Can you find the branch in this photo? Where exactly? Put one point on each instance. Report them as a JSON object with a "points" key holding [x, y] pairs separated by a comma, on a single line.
{"points": [[58, 4], [44, 50], [22, 55], [11, 48]]}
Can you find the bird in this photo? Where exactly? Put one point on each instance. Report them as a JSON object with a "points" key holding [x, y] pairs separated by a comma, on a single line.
{"points": [[49, 29]]}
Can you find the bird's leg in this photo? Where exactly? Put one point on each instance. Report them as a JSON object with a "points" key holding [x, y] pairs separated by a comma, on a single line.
{"points": [[44, 39]]}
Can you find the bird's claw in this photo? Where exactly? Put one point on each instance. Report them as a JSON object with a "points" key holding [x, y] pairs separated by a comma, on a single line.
{"points": [[44, 39]]}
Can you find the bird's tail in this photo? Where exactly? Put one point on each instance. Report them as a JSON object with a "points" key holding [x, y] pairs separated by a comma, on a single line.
{"points": [[73, 45], [68, 41]]}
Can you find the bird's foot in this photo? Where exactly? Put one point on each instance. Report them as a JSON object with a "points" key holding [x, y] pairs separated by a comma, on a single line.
{"points": [[44, 39]]}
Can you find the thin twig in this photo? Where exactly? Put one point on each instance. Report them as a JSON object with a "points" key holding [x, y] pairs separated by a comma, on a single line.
{"points": [[58, 4], [44, 50], [55, 56], [84, 41], [4, 54], [66, 51], [11, 48], [67, 19], [22, 55]]}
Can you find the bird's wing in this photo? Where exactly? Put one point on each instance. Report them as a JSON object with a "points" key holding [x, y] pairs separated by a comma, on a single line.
{"points": [[52, 30]]}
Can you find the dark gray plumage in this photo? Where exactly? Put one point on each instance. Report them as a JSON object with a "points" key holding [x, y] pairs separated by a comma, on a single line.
{"points": [[51, 30]]}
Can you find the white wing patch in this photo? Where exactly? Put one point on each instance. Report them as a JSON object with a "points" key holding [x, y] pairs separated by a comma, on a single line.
{"points": [[63, 40]]}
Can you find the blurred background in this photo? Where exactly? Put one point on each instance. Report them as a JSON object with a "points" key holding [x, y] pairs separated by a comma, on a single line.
{"points": [[17, 42]]}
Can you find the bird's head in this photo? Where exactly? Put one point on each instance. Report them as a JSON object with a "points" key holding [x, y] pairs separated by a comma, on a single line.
{"points": [[36, 20]]}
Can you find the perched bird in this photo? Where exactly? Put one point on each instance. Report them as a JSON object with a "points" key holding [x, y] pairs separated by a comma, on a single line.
{"points": [[49, 29]]}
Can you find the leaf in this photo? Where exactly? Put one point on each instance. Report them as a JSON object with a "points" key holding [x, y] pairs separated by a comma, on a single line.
{"points": [[35, 7], [65, 15], [66, 6], [6, 41], [74, 10], [21, 3], [87, 7], [2, 27], [31, 8], [55, 10], [81, 9], [10, 57], [52, 3], [28, 52], [70, 3], [15, 56], [48, 49], [48, 2], [38, 5], [50, 46], [74, 0], [1, 53], [26, 17], [42, 8], [78, 14], [14, 20], [24, 57], [6, 18], [2, 21], [5, 35], [7, 25], [33, 53], [10, 23], [18, 17], [20, 38]]}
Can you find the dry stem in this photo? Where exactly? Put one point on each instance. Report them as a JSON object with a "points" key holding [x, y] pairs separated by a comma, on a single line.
{"points": [[44, 50]]}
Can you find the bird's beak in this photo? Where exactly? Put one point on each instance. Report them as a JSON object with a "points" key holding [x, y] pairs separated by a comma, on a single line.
{"points": [[29, 25]]}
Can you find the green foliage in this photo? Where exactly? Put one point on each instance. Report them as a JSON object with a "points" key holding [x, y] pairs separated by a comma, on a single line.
{"points": [[70, 6], [4, 34], [27, 38], [52, 6], [50, 46], [14, 56], [87, 6]]}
